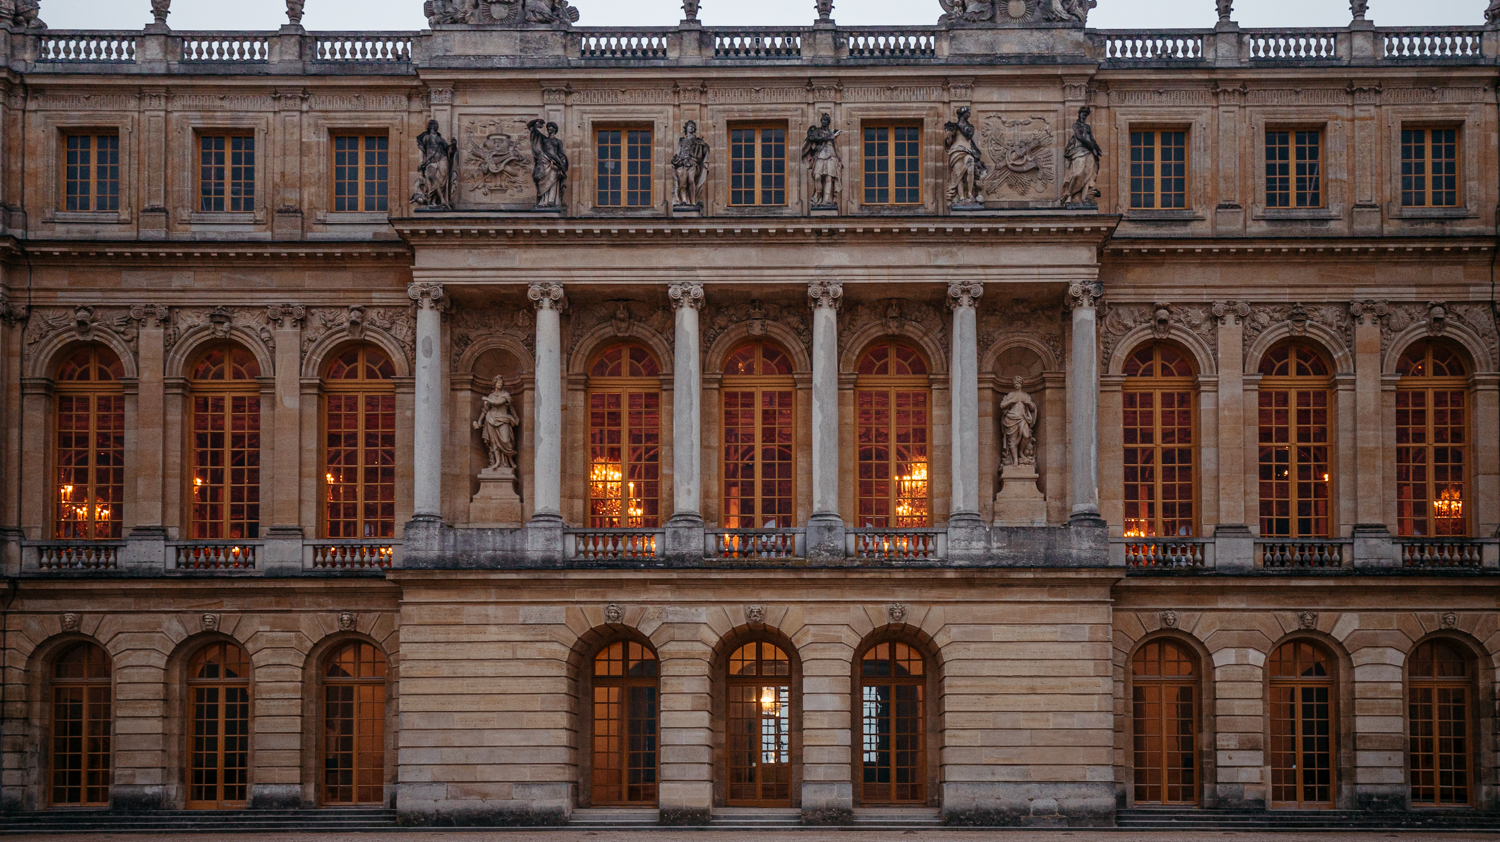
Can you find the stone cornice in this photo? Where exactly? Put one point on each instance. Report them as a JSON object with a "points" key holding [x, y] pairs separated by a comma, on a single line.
{"points": [[199, 253], [1294, 249]]}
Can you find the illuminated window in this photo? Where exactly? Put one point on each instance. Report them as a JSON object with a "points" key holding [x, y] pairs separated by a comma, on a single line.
{"points": [[1432, 443], [893, 165], [361, 173], [893, 402], [92, 172], [219, 718], [1158, 170], [1294, 169], [624, 158], [893, 744], [625, 439], [627, 722], [1302, 735], [359, 446], [82, 728], [89, 454], [1160, 466], [1429, 168], [226, 173], [758, 728], [759, 429], [1164, 703], [1295, 392], [1440, 711], [225, 489], [757, 165], [354, 726]]}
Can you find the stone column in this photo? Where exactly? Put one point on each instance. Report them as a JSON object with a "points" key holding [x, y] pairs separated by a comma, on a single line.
{"points": [[427, 445], [1234, 544], [1372, 545], [685, 529], [825, 529], [547, 423], [145, 546], [284, 537], [963, 298], [1083, 404]]}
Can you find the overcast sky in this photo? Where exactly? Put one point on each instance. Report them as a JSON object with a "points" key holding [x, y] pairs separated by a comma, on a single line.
{"points": [[407, 14]]}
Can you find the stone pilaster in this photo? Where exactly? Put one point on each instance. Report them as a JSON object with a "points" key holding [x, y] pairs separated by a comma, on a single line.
{"points": [[12, 321], [284, 537], [685, 529], [427, 440], [1372, 545], [1083, 403], [825, 529], [1234, 544]]}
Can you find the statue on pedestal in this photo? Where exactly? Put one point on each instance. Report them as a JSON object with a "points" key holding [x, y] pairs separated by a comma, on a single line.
{"points": [[1082, 153], [820, 154], [435, 173], [1018, 417], [966, 169], [690, 167], [1020, 502], [497, 423], [549, 164]]}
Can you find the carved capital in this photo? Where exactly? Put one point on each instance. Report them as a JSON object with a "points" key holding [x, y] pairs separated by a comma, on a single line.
{"points": [[150, 315], [286, 315], [686, 295], [825, 294], [1231, 312], [1084, 294], [1369, 311], [964, 294], [427, 296], [547, 296], [12, 312]]}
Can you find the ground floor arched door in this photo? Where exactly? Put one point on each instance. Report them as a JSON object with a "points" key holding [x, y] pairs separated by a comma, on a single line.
{"points": [[758, 726]]}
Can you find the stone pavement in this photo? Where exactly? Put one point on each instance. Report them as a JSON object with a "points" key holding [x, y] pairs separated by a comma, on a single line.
{"points": [[669, 835]]}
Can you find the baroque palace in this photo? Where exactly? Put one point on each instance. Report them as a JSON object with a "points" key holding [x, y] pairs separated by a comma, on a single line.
{"points": [[1001, 422]]}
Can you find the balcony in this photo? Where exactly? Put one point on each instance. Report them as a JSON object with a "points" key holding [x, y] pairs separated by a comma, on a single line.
{"points": [[153, 556], [1303, 553]]}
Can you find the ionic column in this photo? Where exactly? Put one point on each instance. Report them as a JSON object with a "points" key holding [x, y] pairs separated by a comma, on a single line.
{"points": [[427, 445], [963, 298], [1083, 403], [825, 297], [687, 415], [547, 423]]}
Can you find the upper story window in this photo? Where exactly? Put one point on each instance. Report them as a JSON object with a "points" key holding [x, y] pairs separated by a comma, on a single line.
{"points": [[757, 165], [1295, 446], [226, 173], [359, 446], [893, 165], [759, 425], [1158, 169], [92, 172], [226, 445], [1158, 439], [1294, 168], [1429, 168], [624, 439], [90, 448], [361, 173], [624, 157], [1432, 442], [892, 402]]}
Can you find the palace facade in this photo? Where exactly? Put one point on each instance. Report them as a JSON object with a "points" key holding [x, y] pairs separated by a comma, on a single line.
{"points": [[1004, 420]]}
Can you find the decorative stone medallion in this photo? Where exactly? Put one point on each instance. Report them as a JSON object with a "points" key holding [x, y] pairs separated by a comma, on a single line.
{"points": [[1169, 619], [755, 615], [896, 613], [1307, 620], [613, 614], [347, 620], [70, 622], [210, 622]]}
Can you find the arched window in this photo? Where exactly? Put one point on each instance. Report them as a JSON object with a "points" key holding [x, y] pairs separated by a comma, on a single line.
{"points": [[1302, 736], [90, 446], [1439, 707], [893, 747], [226, 445], [627, 713], [759, 422], [893, 403], [82, 727], [359, 452], [1164, 701], [759, 726], [1160, 465], [1295, 394], [1432, 442], [625, 439], [218, 680], [354, 725]]}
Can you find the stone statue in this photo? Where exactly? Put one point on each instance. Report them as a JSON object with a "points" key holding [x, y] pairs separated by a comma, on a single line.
{"points": [[968, 11], [28, 14], [690, 9], [550, 12], [820, 154], [549, 167], [966, 169], [1358, 8], [1492, 14], [497, 423], [690, 166], [448, 11], [1070, 11], [1082, 153], [1226, 10], [435, 174], [294, 11], [825, 9], [159, 10], [1018, 419]]}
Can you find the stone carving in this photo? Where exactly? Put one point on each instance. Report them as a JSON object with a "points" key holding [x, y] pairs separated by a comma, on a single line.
{"points": [[820, 154], [1081, 172], [755, 615], [1358, 8], [1478, 318], [435, 174], [690, 168], [625, 315], [896, 612], [28, 14], [1022, 152], [1449, 620], [159, 10], [1121, 319], [547, 297], [12, 312], [825, 9], [1492, 14], [1070, 11], [210, 622], [1018, 421], [966, 168], [70, 622], [1307, 620], [613, 614], [1229, 312], [551, 12], [685, 295], [897, 316], [471, 325], [967, 11], [964, 294], [87, 323], [348, 620], [1364, 311], [1169, 619], [498, 161], [396, 322], [285, 315], [490, 12], [825, 294], [294, 11], [755, 315], [1084, 294], [549, 167], [1297, 317], [690, 9], [1226, 10], [1022, 318], [497, 424], [428, 296]]}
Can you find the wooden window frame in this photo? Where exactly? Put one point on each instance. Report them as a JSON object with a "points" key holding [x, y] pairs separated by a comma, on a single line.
{"points": [[625, 387], [1156, 178], [785, 699], [230, 390], [93, 180], [89, 687], [1194, 683], [1292, 194], [626, 146], [1472, 737], [757, 175], [1158, 385], [247, 199], [924, 721], [759, 384], [1430, 386], [363, 388], [325, 681], [891, 384], [596, 682], [362, 183], [190, 721], [1328, 683], [92, 391], [890, 157], [1409, 192], [1295, 386]]}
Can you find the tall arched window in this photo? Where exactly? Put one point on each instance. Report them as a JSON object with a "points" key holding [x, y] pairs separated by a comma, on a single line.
{"points": [[1295, 397], [1302, 736], [90, 447], [759, 421], [892, 401], [82, 727], [226, 445], [1160, 469], [354, 725], [359, 452], [1432, 442], [627, 716], [1164, 701], [218, 680], [759, 726], [893, 748], [1440, 709], [625, 439]]}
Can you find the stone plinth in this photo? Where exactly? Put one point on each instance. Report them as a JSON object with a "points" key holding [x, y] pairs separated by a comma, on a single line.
{"points": [[1020, 502], [497, 503]]}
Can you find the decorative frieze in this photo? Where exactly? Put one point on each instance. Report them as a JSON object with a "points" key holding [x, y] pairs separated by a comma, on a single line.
{"points": [[1297, 317], [894, 93], [720, 96], [756, 315], [220, 323], [471, 325], [1120, 319], [1021, 318], [897, 316], [85, 322], [361, 102], [1022, 161], [1478, 318], [396, 322], [623, 318]]}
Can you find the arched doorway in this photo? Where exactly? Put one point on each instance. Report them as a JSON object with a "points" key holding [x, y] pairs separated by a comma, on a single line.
{"points": [[354, 725], [82, 750], [1440, 710], [1302, 726], [626, 726], [759, 726], [1164, 704], [893, 725], [218, 715]]}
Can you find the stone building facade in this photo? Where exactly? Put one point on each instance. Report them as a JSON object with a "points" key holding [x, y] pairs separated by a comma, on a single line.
{"points": [[1073, 421]]}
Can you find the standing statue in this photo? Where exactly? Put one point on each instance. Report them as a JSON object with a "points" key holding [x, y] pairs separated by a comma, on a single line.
{"points": [[159, 10], [1082, 154], [820, 154], [966, 169], [294, 11], [549, 167], [1018, 419], [690, 166], [497, 423], [435, 174]]}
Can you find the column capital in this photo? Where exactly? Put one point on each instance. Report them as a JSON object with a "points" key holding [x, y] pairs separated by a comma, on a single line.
{"points": [[11, 312], [1231, 312], [1368, 311], [427, 296], [288, 315], [686, 295], [150, 315], [964, 294], [547, 296], [1084, 294], [825, 294]]}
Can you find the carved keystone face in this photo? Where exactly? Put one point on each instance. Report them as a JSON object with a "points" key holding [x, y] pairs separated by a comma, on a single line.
{"points": [[70, 622], [210, 622], [347, 620]]}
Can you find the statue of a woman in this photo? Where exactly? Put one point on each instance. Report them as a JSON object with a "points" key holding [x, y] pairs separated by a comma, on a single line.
{"points": [[497, 424], [690, 167], [820, 154], [966, 169], [435, 173], [549, 164], [1082, 154], [1018, 420]]}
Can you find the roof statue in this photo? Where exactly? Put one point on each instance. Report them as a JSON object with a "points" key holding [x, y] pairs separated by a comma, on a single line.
{"points": [[552, 13], [1015, 13]]}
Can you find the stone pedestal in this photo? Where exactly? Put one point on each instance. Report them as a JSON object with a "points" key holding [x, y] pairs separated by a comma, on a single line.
{"points": [[1020, 502], [497, 503]]}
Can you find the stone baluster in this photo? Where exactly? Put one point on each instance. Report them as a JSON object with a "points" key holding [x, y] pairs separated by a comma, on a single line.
{"points": [[547, 424], [825, 530], [427, 438], [963, 298], [1083, 403]]}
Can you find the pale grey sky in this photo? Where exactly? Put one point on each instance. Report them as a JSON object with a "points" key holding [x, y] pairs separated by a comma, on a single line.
{"points": [[407, 14]]}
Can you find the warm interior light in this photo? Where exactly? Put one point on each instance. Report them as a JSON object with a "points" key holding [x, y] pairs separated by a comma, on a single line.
{"points": [[1449, 504], [911, 495], [1137, 528], [770, 701]]}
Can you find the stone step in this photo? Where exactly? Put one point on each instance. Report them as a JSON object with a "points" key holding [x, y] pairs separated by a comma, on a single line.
{"points": [[177, 821]]}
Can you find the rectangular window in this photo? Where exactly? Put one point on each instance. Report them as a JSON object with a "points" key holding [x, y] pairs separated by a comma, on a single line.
{"points": [[1429, 168], [624, 168], [226, 173], [92, 172], [1294, 169], [893, 165], [1158, 170], [757, 165], [361, 173]]}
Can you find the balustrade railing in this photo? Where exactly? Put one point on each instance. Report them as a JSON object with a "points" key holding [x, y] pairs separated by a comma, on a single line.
{"points": [[897, 544], [235, 47], [624, 46], [1302, 553], [599, 544], [757, 45], [78, 555], [754, 543], [213, 555], [362, 47], [1167, 553], [890, 43], [352, 555], [96, 47], [1292, 45], [1440, 553], [1161, 45], [1432, 43]]}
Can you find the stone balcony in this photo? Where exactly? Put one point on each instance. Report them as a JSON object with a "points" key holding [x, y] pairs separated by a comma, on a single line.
{"points": [[1237, 552]]}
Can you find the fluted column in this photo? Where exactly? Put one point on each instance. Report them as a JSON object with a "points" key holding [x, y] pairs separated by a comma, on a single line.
{"points": [[687, 413], [825, 297], [547, 424], [963, 298], [427, 440], [1083, 403]]}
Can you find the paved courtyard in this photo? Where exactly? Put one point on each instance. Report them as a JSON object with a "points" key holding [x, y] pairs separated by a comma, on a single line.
{"points": [[784, 836]]}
